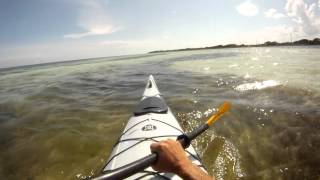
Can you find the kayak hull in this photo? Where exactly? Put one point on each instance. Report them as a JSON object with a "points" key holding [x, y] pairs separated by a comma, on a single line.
{"points": [[151, 122]]}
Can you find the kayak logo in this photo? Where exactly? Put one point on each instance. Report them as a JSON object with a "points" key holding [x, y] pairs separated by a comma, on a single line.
{"points": [[149, 127]]}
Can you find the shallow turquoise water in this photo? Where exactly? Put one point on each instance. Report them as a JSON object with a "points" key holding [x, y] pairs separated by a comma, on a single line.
{"points": [[59, 121]]}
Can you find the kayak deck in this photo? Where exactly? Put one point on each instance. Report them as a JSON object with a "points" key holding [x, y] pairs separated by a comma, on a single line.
{"points": [[152, 122]]}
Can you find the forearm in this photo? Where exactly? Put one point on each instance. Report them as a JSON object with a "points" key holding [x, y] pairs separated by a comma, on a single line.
{"points": [[193, 172], [172, 158]]}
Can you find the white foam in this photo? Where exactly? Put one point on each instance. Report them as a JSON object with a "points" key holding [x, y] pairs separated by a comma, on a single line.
{"points": [[247, 76], [257, 85], [233, 65], [254, 58]]}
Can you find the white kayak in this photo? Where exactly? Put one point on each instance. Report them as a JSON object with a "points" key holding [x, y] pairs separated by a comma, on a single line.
{"points": [[151, 121]]}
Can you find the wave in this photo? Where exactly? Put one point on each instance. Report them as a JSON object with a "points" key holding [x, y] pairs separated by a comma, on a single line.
{"points": [[257, 85]]}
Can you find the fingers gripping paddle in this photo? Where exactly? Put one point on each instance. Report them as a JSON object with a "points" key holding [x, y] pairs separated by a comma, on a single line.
{"points": [[185, 140]]}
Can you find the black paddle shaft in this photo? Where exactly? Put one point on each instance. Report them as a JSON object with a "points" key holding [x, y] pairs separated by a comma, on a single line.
{"points": [[185, 139], [143, 163], [129, 169]]}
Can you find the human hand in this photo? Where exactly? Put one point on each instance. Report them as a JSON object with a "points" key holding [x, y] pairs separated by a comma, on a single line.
{"points": [[171, 156]]}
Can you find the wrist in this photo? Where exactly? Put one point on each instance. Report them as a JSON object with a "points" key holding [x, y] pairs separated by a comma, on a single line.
{"points": [[184, 170]]}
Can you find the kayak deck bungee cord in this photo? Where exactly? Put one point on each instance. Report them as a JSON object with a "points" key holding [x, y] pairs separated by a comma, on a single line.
{"points": [[152, 121]]}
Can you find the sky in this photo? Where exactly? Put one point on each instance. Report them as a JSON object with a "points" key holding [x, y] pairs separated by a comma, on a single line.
{"points": [[41, 31]]}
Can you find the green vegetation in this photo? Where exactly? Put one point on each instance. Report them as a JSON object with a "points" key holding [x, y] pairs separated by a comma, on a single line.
{"points": [[302, 42]]}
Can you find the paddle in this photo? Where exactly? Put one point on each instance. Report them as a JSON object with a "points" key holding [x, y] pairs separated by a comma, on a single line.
{"points": [[185, 139], [141, 164]]}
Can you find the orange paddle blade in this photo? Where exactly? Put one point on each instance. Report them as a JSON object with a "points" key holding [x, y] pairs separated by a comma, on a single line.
{"points": [[222, 109]]}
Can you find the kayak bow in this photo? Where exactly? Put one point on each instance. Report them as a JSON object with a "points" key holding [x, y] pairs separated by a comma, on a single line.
{"points": [[152, 121]]}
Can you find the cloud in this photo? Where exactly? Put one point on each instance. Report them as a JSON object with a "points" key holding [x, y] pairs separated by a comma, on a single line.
{"points": [[93, 20], [273, 13], [247, 8], [98, 30], [306, 21]]}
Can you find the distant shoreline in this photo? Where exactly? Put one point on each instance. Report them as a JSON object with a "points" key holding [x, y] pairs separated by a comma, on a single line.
{"points": [[302, 42]]}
